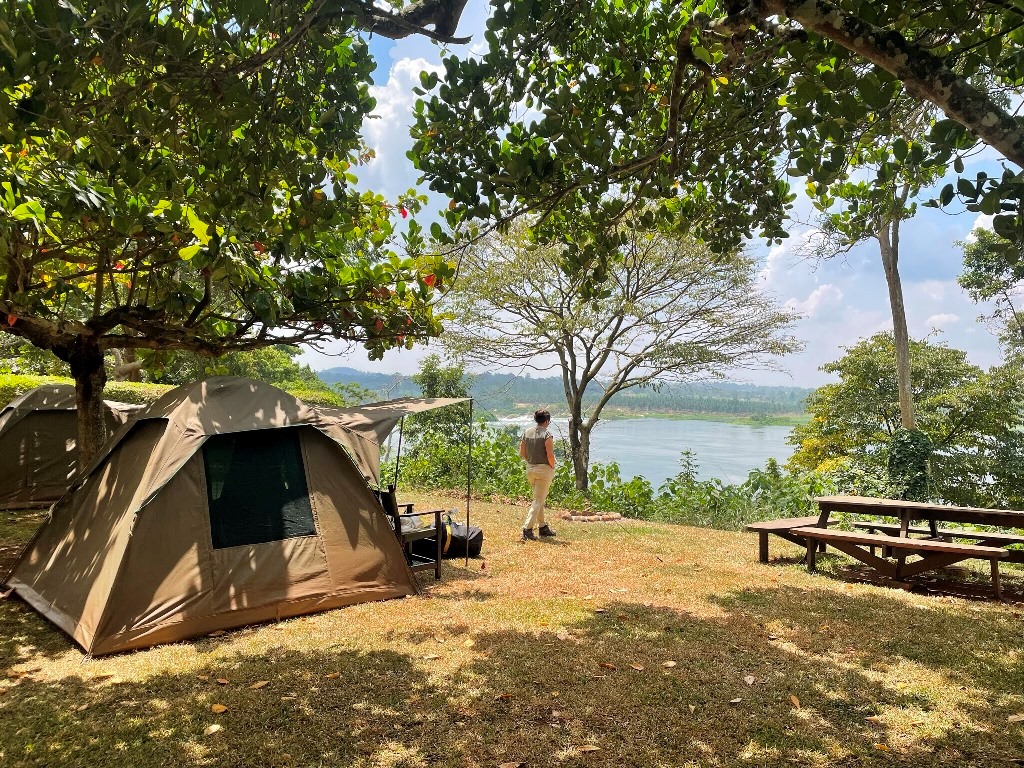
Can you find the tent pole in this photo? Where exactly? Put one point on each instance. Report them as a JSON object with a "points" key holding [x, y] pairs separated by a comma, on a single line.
{"points": [[469, 463], [398, 455]]}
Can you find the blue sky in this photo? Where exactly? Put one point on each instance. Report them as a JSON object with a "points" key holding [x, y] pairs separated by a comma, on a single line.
{"points": [[841, 301]]}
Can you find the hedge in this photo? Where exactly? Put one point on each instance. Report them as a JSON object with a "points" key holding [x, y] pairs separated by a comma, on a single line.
{"points": [[14, 385]]}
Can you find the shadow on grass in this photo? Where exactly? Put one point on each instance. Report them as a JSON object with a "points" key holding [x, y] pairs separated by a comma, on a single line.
{"points": [[780, 677]]}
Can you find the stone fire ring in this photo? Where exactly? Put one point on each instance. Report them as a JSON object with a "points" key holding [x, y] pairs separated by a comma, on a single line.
{"points": [[578, 517]]}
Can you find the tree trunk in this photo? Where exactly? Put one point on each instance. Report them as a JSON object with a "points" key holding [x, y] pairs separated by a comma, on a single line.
{"points": [[889, 247], [579, 450], [86, 361]]}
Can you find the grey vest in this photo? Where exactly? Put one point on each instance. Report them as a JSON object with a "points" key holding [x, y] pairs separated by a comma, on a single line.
{"points": [[535, 438]]}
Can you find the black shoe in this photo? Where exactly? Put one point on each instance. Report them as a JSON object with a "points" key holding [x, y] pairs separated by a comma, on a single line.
{"points": [[546, 532], [528, 534]]}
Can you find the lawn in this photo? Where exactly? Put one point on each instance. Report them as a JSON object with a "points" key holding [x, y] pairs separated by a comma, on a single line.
{"points": [[614, 645]]}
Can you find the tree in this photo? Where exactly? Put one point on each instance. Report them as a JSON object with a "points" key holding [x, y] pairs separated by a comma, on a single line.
{"points": [[970, 416], [669, 311], [179, 177], [875, 208], [994, 271], [437, 380], [629, 102]]}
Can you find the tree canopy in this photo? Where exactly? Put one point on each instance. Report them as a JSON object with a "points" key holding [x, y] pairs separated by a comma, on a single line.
{"points": [[970, 416], [994, 271], [597, 106], [180, 177]]}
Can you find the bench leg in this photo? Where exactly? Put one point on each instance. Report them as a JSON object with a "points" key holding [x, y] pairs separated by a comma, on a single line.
{"points": [[995, 580], [812, 549], [762, 546]]}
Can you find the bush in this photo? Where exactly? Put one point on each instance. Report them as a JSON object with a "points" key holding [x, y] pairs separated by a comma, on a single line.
{"points": [[136, 393], [13, 385]]}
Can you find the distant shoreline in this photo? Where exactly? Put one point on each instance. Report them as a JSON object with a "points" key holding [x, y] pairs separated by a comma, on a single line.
{"points": [[778, 420]]}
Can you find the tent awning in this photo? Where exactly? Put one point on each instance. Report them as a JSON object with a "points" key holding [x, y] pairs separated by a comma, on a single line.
{"points": [[375, 421]]}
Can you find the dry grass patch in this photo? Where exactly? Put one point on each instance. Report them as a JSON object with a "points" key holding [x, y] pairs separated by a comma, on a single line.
{"points": [[614, 645]]}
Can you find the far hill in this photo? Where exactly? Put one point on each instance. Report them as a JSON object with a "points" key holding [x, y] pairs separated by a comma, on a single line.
{"points": [[503, 394]]}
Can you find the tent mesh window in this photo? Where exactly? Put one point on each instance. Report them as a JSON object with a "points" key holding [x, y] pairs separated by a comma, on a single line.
{"points": [[256, 486]]}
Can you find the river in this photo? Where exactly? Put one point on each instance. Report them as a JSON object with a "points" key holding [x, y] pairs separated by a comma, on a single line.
{"points": [[651, 447]]}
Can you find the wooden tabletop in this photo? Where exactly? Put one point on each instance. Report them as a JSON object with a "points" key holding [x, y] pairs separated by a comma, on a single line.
{"points": [[916, 510]]}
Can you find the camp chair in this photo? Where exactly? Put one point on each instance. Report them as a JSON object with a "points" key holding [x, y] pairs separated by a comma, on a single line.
{"points": [[409, 531]]}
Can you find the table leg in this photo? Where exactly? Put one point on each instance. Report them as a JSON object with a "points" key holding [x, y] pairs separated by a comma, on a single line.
{"points": [[933, 527], [812, 550], [762, 547], [995, 579]]}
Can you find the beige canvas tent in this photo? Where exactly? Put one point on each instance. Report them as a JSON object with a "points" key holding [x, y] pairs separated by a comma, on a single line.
{"points": [[38, 452], [225, 503]]}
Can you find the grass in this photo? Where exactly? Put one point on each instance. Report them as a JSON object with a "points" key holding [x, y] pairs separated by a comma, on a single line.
{"points": [[554, 654]]}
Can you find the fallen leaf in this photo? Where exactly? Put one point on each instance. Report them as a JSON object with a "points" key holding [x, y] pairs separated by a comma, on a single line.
{"points": [[796, 701], [1016, 718], [97, 679], [637, 667], [668, 664], [881, 747], [512, 765], [555, 694], [431, 657], [217, 633], [204, 678], [749, 679], [562, 635], [735, 701], [693, 708], [218, 708], [588, 597], [590, 748], [773, 637], [222, 681], [81, 707], [212, 729], [259, 684], [600, 610], [469, 643], [502, 696], [332, 675], [288, 698], [606, 665], [874, 719]]}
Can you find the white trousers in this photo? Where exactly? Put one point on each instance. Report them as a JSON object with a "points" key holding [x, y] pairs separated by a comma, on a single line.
{"points": [[539, 476]]}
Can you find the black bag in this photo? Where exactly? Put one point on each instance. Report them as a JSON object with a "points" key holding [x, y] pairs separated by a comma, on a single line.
{"points": [[455, 540], [463, 539]]}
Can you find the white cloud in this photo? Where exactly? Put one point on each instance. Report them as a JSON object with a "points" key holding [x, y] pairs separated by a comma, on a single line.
{"points": [[823, 300], [984, 221], [941, 320]]}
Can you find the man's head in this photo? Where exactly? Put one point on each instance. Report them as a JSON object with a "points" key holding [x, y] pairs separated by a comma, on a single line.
{"points": [[543, 416]]}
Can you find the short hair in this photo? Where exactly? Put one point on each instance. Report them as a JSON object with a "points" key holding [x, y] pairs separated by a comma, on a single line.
{"points": [[542, 415]]}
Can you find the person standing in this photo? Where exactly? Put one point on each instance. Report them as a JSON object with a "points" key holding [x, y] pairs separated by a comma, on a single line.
{"points": [[538, 449]]}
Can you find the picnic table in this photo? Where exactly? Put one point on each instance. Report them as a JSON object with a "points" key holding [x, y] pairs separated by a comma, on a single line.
{"points": [[934, 544]]}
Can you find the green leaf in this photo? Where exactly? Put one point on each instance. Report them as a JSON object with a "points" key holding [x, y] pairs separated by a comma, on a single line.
{"points": [[189, 251]]}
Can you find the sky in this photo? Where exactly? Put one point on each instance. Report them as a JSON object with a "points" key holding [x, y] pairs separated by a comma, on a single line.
{"points": [[841, 301]]}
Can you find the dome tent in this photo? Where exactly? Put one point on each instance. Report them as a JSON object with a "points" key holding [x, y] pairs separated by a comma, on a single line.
{"points": [[226, 502], [38, 444]]}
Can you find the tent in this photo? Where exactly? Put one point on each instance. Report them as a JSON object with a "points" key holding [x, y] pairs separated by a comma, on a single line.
{"points": [[38, 452], [226, 502]]}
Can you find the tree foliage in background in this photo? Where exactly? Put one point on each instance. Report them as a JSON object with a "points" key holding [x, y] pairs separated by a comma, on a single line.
{"points": [[180, 177], [971, 417], [598, 107], [670, 311], [994, 271]]}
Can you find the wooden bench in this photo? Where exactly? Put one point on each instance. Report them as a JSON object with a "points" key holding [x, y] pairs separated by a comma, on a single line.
{"points": [[782, 527], [983, 538], [934, 554]]}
